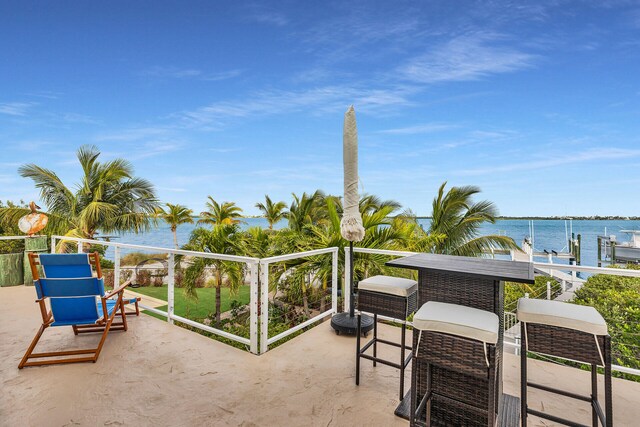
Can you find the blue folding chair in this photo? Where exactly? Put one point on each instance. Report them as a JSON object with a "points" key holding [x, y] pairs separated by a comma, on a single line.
{"points": [[79, 302], [82, 269]]}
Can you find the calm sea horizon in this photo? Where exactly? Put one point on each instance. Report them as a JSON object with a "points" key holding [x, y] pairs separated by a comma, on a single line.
{"points": [[549, 234]]}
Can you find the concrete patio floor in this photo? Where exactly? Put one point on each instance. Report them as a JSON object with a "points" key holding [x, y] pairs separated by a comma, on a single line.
{"points": [[159, 374]]}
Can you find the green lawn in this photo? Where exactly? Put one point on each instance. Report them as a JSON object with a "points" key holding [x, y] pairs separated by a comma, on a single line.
{"points": [[196, 310]]}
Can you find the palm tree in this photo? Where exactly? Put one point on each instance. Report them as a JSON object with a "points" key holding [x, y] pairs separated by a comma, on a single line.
{"points": [[107, 199], [371, 203], [175, 215], [216, 213], [273, 212], [456, 217], [381, 232], [306, 210], [222, 239]]}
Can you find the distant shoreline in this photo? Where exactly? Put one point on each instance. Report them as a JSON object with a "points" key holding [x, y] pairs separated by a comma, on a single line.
{"points": [[578, 218], [539, 218]]}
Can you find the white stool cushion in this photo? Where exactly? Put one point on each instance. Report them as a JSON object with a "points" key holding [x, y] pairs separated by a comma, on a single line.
{"points": [[555, 313], [389, 285], [467, 322]]}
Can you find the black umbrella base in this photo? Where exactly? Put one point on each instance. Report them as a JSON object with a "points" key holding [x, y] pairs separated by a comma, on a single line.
{"points": [[342, 323]]}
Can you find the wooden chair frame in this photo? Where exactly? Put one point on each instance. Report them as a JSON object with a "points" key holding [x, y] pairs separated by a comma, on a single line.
{"points": [[103, 324]]}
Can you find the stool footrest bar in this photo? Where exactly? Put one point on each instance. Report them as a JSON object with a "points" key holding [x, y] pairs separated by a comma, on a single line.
{"points": [[395, 344], [384, 362], [555, 419], [558, 391]]}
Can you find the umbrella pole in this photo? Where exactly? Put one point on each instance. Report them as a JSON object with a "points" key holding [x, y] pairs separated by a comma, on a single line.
{"points": [[346, 322], [352, 303]]}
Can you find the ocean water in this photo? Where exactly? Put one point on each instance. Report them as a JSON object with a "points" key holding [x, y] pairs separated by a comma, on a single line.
{"points": [[549, 234]]}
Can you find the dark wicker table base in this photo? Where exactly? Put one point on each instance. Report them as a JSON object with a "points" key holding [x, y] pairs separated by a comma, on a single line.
{"points": [[508, 413]]}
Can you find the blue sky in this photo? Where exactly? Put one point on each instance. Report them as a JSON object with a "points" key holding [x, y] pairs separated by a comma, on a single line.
{"points": [[538, 104]]}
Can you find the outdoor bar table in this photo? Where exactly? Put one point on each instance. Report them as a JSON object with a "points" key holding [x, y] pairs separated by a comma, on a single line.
{"points": [[472, 282]]}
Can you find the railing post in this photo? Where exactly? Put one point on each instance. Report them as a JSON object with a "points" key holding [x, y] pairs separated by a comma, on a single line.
{"points": [[334, 281], [116, 267], [79, 247], [264, 306], [253, 307], [548, 290], [53, 244], [347, 279], [170, 287]]}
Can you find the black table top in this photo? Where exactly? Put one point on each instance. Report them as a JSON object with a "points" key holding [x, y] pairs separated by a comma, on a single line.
{"points": [[513, 271]]}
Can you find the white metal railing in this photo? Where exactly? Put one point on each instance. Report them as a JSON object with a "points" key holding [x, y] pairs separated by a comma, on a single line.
{"points": [[587, 269], [252, 267], [265, 341], [17, 237], [258, 269]]}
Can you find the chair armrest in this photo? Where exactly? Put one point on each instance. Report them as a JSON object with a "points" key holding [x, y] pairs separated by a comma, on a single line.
{"points": [[118, 290]]}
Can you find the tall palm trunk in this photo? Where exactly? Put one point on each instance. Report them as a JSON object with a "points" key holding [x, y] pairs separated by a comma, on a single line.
{"points": [[174, 230], [305, 299], [218, 295], [323, 299]]}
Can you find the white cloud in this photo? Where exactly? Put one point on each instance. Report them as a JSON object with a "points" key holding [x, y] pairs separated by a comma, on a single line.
{"points": [[172, 189], [15, 108], [420, 129], [575, 157], [463, 58], [271, 18], [188, 73], [133, 134], [154, 148], [316, 100]]}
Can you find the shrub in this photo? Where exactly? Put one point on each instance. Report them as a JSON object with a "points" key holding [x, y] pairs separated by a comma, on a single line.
{"points": [[514, 291], [158, 278], [108, 276], [11, 246], [178, 279], [125, 275], [617, 299], [135, 258], [199, 281], [143, 277]]}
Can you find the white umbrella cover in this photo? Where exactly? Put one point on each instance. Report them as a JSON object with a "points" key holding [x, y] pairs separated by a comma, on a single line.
{"points": [[351, 225]]}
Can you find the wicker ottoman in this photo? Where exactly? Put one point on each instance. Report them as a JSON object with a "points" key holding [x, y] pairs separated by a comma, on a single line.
{"points": [[455, 366], [389, 296], [568, 331]]}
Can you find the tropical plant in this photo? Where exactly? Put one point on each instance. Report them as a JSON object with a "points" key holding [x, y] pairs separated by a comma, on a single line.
{"points": [[107, 199], [456, 217], [216, 213], [175, 215], [273, 212], [306, 210], [617, 299], [8, 228], [222, 239], [381, 232], [370, 203]]}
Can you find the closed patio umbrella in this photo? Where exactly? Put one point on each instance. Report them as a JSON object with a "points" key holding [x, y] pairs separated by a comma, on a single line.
{"points": [[351, 224]]}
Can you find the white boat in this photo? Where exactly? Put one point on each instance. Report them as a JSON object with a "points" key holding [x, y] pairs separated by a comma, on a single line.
{"points": [[616, 251]]}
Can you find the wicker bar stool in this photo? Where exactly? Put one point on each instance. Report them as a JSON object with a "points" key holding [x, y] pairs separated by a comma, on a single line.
{"points": [[454, 367], [386, 296], [572, 332]]}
